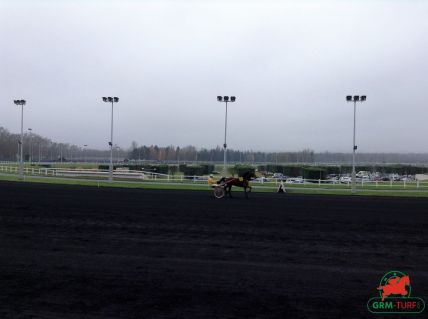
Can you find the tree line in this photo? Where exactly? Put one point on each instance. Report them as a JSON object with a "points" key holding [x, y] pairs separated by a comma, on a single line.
{"points": [[307, 156], [192, 154], [42, 149]]}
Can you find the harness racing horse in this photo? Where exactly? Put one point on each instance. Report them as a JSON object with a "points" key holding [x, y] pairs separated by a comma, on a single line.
{"points": [[243, 182]]}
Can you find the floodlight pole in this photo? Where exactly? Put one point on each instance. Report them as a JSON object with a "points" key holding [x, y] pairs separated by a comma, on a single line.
{"points": [[111, 146], [225, 144], [353, 188], [21, 153], [226, 100], [84, 152], [31, 145], [112, 100], [355, 99], [21, 142]]}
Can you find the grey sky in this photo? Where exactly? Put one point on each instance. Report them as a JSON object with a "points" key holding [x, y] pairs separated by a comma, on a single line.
{"points": [[289, 63]]}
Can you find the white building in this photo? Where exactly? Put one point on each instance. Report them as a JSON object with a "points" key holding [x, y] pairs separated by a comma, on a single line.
{"points": [[421, 177]]}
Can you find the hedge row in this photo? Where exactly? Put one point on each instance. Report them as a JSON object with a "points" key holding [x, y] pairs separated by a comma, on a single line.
{"points": [[308, 172], [300, 170], [190, 170]]}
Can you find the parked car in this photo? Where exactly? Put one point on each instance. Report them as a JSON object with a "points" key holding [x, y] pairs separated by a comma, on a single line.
{"points": [[332, 180], [346, 179], [200, 178], [279, 177]]}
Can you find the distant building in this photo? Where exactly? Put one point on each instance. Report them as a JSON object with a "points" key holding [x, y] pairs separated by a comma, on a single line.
{"points": [[421, 177]]}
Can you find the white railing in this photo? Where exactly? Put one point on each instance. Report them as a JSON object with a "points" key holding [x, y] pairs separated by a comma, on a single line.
{"points": [[98, 173], [152, 176]]}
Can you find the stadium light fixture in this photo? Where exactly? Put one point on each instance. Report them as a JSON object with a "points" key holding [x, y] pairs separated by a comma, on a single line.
{"points": [[355, 99], [21, 141], [111, 100], [225, 99]]}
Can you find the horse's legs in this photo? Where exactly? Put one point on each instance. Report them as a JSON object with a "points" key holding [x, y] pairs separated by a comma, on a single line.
{"points": [[230, 191]]}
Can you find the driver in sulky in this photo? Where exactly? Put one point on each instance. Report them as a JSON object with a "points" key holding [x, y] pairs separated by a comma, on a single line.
{"points": [[211, 180]]}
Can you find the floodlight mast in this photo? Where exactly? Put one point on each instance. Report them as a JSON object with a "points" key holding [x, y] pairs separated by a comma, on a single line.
{"points": [[21, 141], [31, 145], [355, 99], [84, 152], [111, 100], [225, 99]]}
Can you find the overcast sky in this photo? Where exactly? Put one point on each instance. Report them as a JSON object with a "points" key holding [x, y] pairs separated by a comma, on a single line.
{"points": [[289, 63]]}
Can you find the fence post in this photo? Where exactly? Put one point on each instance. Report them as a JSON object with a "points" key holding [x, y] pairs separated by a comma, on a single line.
{"points": [[390, 182], [417, 183], [319, 183], [404, 183]]}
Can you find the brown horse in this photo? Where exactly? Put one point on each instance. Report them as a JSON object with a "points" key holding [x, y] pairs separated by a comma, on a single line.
{"points": [[243, 182]]}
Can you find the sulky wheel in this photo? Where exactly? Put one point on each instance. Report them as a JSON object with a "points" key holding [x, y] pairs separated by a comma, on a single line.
{"points": [[219, 192]]}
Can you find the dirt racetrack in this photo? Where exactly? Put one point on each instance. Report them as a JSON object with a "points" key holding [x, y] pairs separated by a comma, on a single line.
{"points": [[81, 252]]}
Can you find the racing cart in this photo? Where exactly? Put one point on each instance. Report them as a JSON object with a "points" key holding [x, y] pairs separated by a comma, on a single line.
{"points": [[219, 190]]}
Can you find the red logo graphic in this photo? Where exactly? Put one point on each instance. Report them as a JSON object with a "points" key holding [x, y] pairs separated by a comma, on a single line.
{"points": [[395, 286], [395, 296]]}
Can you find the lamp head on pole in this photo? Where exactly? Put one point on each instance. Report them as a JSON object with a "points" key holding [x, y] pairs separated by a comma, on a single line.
{"points": [[226, 98], [219, 98], [19, 102], [349, 98], [363, 98], [104, 99], [356, 98], [116, 99], [110, 99], [232, 98]]}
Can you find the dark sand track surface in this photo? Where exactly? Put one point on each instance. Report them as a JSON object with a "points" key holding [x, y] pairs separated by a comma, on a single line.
{"points": [[87, 252]]}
